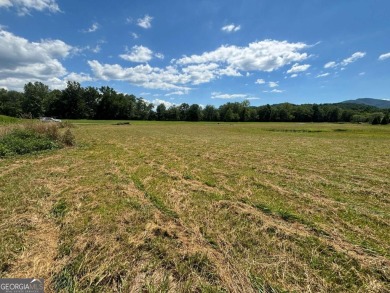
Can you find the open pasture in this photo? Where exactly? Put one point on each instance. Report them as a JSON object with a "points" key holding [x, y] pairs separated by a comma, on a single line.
{"points": [[204, 207]]}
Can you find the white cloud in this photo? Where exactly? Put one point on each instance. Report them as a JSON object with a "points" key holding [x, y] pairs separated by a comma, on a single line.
{"points": [[25, 6], [5, 3], [218, 95], [157, 102], [273, 84], [275, 91], [145, 22], [176, 93], [201, 73], [298, 68], [384, 56], [23, 61], [330, 64], [143, 75], [355, 56], [94, 27], [322, 75], [95, 49], [159, 56], [260, 81], [138, 54], [79, 77], [267, 55], [134, 35], [294, 75], [231, 28]]}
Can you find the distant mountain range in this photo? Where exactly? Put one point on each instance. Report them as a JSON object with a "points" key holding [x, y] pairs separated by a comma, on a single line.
{"points": [[382, 104]]}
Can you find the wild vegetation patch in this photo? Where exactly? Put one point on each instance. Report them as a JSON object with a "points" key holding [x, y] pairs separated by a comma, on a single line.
{"points": [[31, 137]]}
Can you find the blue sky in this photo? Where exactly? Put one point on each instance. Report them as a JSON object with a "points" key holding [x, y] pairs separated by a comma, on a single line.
{"points": [[204, 52]]}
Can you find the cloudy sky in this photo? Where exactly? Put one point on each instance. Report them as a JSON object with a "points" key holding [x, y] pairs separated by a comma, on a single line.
{"points": [[201, 51]]}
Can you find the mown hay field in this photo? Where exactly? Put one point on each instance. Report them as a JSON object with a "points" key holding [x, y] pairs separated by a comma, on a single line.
{"points": [[202, 207]]}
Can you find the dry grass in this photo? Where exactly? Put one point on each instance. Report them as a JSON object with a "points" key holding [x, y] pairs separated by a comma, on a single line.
{"points": [[196, 207]]}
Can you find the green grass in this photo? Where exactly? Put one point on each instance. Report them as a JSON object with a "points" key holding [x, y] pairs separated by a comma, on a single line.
{"points": [[202, 207], [8, 120]]}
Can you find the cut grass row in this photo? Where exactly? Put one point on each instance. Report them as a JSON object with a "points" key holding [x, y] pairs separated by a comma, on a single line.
{"points": [[178, 207]]}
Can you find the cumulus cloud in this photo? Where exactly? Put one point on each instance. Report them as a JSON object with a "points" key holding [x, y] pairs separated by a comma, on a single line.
{"points": [[294, 75], [24, 7], [157, 102], [267, 55], [201, 73], [79, 77], [145, 22], [260, 81], [231, 28], [23, 61], [384, 56], [134, 35], [142, 75], [138, 54], [273, 84], [298, 68]]}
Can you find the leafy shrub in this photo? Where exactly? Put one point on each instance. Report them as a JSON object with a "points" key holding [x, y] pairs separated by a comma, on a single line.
{"points": [[33, 137], [23, 141]]}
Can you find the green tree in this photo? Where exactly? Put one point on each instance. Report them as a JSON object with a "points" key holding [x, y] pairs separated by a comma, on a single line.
{"points": [[376, 120], [264, 113], [73, 103], [385, 119], [183, 109], [210, 113], [173, 113], [34, 95], [318, 115], [194, 113], [10, 103], [161, 112]]}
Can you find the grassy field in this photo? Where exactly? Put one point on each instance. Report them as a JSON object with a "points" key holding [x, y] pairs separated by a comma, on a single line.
{"points": [[202, 207]]}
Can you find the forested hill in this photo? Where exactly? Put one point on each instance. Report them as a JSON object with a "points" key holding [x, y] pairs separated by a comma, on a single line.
{"points": [[382, 104], [77, 102]]}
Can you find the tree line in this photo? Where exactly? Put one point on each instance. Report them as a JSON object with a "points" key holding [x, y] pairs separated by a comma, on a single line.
{"points": [[77, 102]]}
